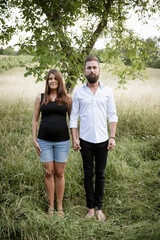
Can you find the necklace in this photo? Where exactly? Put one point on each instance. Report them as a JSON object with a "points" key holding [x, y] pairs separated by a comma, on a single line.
{"points": [[53, 97]]}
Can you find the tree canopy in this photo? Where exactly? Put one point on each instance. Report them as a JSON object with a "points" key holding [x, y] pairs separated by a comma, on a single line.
{"points": [[63, 33]]}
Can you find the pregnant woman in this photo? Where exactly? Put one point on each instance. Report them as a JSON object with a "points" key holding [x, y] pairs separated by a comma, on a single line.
{"points": [[53, 142]]}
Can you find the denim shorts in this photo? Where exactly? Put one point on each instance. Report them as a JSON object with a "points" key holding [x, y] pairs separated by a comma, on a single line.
{"points": [[54, 151]]}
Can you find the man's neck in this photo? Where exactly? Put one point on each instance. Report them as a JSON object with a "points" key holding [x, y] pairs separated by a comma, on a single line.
{"points": [[93, 86]]}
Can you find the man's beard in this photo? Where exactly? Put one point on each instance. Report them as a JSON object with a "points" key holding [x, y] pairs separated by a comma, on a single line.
{"points": [[92, 78]]}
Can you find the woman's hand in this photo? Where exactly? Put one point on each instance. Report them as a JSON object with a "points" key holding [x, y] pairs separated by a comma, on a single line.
{"points": [[37, 147]]}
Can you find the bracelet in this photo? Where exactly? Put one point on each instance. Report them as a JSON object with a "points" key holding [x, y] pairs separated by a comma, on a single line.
{"points": [[112, 137]]}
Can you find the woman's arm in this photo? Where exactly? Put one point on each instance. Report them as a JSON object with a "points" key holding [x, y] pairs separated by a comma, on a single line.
{"points": [[35, 119], [69, 106], [75, 139]]}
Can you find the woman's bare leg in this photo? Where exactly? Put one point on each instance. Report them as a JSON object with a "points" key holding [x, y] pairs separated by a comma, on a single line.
{"points": [[59, 183], [49, 182]]}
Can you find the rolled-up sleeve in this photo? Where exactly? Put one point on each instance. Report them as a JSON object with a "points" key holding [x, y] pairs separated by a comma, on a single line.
{"points": [[111, 108], [73, 122]]}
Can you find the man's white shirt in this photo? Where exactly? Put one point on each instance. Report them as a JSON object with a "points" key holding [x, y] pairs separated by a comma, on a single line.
{"points": [[93, 110]]}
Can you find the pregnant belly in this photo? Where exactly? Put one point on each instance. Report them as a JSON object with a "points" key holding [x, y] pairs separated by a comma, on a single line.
{"points": [[53, 130]]}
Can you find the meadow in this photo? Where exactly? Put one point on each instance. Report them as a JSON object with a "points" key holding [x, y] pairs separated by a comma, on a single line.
{"points": [[132, 189]]}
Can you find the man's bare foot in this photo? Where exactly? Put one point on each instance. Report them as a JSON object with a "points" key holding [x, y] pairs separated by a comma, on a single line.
{"points": [[90, 213], [100, 215]]}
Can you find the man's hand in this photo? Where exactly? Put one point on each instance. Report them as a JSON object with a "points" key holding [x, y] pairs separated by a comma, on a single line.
{"points": [[111, 144]]}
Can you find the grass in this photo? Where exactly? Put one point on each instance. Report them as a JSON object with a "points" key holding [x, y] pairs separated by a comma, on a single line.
{"points": [[132, 189], [16, 86]]}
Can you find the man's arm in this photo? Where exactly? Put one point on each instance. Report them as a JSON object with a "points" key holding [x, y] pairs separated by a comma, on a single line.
{"points": [[111, 142], [113, 119]]}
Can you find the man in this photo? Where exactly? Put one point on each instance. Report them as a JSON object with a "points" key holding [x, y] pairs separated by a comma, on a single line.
{"points": [[94, 102]]}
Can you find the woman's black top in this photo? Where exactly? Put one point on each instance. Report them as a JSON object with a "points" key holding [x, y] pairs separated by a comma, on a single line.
{"points": [[53, 125]]}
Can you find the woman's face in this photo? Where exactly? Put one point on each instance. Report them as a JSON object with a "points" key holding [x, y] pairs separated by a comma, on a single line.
{"points": [[52, 82]]}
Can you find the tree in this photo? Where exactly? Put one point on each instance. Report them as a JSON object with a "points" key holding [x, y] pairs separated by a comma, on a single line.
{"points": [[53, 24], [1, 51], [9, 51], [130, 56], [153, 49]]}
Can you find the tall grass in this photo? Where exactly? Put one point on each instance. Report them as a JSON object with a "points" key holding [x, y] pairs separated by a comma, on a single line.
{"points": [[14, 85], [132, 189]]}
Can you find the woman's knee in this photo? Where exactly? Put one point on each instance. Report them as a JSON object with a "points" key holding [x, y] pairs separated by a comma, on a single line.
{"points": [[59, 173], [48, 173]]}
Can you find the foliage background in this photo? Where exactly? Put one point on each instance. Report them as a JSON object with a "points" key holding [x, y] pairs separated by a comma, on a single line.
{"points": [[64, 32]]}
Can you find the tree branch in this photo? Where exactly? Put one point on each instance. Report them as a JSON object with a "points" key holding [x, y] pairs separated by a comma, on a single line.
{"points": [[99, 30], [57, 28]]}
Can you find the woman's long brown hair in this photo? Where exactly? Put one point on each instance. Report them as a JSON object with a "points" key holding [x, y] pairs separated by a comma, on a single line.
{"points": [[62, 96]]}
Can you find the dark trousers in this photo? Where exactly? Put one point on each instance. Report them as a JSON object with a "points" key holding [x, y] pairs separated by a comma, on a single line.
{"points": [[94, 153]]}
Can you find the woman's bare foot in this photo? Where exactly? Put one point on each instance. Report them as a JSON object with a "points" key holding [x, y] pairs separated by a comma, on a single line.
{"points": [[60, 213], [50, 211]]}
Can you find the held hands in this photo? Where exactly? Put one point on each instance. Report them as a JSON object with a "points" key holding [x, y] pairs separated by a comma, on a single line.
{"points": [[111, 144], [37, 147], [76, 145]]}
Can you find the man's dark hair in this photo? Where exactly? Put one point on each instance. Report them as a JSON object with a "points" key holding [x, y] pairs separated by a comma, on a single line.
{"points": [[91, 58]]}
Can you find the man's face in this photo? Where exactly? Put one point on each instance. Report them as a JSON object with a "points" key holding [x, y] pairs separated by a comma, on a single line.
{"points": [[92, 71]]}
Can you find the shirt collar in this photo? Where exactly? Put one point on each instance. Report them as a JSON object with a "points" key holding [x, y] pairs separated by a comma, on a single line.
{"points": [[100, 84]]}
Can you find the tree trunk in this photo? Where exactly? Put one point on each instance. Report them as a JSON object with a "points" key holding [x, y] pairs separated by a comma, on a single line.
{"points": [[70, 88]]}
